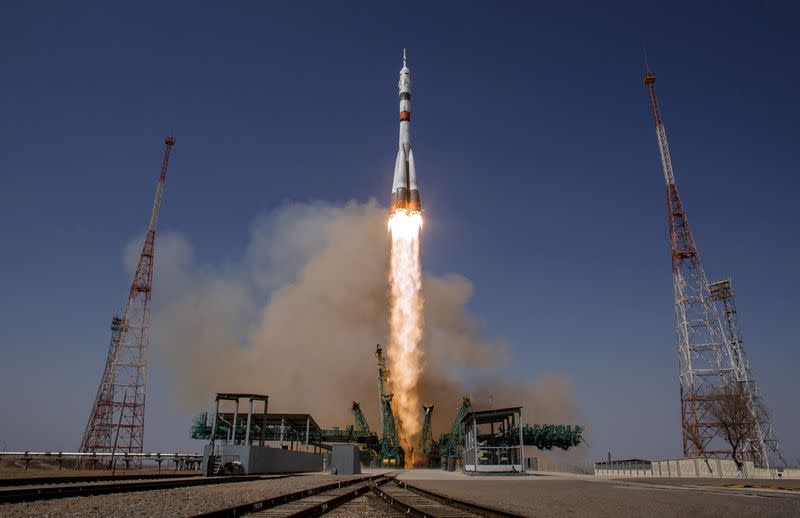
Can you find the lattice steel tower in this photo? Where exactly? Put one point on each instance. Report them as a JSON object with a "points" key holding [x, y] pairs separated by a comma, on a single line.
{"points": [[361, 421], [116, 423], [426, 443], [709, 360], [765, 446]]}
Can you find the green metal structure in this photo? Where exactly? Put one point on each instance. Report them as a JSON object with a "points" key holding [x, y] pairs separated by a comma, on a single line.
{"points": [[383, 375], [361, 422], [391, 451], [452, 443], [546, 436], [428, 448]]}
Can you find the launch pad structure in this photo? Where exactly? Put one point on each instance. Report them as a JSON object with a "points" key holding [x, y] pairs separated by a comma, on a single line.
{"points": [[239, 442], [229, 430], [493, 441]]}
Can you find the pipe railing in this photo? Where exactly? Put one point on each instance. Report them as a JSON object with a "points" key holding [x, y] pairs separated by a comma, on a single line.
{"points": [[154, 455]]}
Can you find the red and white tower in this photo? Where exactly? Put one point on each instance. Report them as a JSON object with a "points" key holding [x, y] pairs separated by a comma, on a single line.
{"points": [[116, 423], [711, 356]]}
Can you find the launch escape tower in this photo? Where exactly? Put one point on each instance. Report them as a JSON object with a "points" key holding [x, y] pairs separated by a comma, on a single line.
{"points": [[116, 423], [712, 363]]}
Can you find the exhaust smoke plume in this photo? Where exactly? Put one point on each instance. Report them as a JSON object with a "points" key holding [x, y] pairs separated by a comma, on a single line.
{"points": [[405, 324], [297, 316]]}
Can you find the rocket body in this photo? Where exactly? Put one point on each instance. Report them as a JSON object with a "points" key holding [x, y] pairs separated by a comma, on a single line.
{"points": [[405, 192]]}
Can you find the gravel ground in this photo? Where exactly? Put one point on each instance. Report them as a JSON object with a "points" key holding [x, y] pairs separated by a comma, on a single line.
{"points": [[18, 473], [365, 505], [168, 502], [69, 483]]}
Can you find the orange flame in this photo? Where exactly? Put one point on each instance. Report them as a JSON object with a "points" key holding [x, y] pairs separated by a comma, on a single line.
{"points": [[405, 325]]}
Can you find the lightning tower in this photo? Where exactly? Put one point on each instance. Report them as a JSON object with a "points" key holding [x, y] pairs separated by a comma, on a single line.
{"points": [[709, 360], [766, 447], [116, 423]]}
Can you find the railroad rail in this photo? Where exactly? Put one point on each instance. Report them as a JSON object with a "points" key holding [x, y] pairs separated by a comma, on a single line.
{"points": [[65, 490], [420, 503], [70, 479], [308, 502]]}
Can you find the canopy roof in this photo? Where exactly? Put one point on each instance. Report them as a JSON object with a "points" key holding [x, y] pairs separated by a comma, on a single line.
{"points": [[491, 416], [296, 421]]}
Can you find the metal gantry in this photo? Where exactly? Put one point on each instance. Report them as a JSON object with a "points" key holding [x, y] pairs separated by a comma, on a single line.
{"points": [[451, 444], [361, 422], [709, 359], [391, 451], [383, 376], [426, 443], [116, 422]]}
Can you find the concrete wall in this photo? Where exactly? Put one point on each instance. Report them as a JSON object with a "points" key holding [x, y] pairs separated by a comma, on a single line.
{"points": [[277, 460], [261, 459], [697, 468]]}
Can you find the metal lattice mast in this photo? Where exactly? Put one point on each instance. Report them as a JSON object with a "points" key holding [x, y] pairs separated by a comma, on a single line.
{"points": [[116, 422], [453, 443], [382, 379], [706, 359], [426, 438], [390, 444], [391, 451], [763, 444], [360, 420]]}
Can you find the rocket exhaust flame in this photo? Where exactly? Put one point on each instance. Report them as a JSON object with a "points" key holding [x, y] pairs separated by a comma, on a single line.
{"points": [[405, 323]]}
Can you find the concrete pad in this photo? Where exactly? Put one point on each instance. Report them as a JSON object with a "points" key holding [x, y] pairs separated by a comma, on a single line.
{"points": [[585, 495]]}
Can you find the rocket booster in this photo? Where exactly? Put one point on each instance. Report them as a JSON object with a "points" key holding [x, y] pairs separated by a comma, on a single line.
{"points": [[405, 193]]}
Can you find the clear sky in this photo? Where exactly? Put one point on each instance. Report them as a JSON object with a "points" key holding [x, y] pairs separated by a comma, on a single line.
{"points": [[536, 157]]}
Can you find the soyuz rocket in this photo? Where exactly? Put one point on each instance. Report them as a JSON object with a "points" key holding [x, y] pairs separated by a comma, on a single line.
{"points": [[405, 193]]}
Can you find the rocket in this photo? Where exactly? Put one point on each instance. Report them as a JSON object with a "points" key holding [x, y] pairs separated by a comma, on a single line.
{"points": [[405, 193]]}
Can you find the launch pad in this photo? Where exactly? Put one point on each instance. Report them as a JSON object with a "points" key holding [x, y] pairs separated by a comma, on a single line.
{"points": [[491, 440]]}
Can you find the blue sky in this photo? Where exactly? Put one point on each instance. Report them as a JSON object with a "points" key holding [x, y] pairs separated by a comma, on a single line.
{"points": [[536, 157]]}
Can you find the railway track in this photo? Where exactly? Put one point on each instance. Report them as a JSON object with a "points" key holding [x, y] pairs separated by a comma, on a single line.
{"points": [[67, 479], [419, 503], [407, 501], [308, 502], [65, 490]]}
